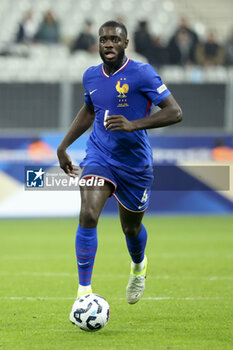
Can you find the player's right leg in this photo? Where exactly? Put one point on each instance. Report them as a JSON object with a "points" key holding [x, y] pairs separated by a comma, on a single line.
{"points": [[93, 200]]}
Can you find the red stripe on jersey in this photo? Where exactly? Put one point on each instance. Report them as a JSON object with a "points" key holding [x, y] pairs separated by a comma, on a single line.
{"points": [[124, 65], [148, 107], [120, 69], [107, 76]]}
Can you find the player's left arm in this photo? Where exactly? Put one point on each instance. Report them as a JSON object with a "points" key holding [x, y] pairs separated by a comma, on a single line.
{"points": [[170, 113]]}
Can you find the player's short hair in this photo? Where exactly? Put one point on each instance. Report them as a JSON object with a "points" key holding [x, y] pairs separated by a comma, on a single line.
{"points": [[115, 25]]}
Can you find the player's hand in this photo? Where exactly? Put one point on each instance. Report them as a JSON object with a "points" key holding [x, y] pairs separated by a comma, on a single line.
{"points": [[66, 163], [118, 123]]}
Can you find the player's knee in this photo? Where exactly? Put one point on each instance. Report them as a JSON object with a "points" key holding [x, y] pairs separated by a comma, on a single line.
{"points": [[88, 218], [131, 231]]}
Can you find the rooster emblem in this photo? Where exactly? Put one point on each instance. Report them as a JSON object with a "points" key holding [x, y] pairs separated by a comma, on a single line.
{"points": [[122, 89]]}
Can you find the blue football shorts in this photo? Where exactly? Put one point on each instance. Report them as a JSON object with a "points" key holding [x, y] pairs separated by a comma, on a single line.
{"points": [[131, 189]]}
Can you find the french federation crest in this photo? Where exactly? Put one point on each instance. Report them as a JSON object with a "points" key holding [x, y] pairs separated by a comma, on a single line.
{"points": [[122, 88]]}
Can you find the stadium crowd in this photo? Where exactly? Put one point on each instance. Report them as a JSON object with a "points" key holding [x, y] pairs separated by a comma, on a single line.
{"points": [[183, 48]]}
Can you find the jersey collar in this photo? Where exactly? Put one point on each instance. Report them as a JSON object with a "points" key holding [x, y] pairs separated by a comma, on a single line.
{"points": [[122, 67]]}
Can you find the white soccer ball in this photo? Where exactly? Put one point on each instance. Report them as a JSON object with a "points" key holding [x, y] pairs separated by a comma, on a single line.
{"points": [[90, 312]]}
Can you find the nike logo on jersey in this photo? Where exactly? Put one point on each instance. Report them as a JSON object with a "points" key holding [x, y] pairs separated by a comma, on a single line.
{"points": [[141, 206], [92, 92]]}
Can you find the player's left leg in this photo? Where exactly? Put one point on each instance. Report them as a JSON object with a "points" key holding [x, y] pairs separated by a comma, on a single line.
{"points": [[136, 239]]}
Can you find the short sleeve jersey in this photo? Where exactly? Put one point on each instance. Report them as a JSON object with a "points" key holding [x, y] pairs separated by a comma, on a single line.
{"points": [[130, 92]]}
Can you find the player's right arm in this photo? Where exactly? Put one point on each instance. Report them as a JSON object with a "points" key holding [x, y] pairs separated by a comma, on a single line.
{"points": [[81, 123]]}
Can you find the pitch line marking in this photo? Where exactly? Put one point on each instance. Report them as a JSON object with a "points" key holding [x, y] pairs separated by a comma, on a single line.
{"points": [[146, 298], [158, 256], [67, 274]]}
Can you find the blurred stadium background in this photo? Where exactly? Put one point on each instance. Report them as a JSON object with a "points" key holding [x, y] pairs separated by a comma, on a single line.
{"points": [[41, 92]]}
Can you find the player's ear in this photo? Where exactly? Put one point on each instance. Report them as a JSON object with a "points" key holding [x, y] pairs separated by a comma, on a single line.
{"points": [[126, 43]]}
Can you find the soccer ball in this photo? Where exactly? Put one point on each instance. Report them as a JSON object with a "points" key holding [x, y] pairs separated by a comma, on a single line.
{"points": [[90, 312]]}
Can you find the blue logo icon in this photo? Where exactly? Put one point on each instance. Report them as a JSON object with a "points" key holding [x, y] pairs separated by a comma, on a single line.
{"points": [[35, 178]]}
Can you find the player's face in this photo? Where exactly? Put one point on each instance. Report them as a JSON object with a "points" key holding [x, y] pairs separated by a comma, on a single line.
{"points": [[112, 45]]}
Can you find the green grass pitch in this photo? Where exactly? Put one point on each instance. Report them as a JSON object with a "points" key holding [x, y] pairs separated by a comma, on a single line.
{"points": [[187, 304]]}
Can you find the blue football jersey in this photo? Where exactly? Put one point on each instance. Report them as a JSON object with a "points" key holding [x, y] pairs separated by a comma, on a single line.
{"points": [[130, 91]]}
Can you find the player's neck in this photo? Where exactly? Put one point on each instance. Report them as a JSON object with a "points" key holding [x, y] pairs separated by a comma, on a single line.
{"points": [[112, 69]]}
